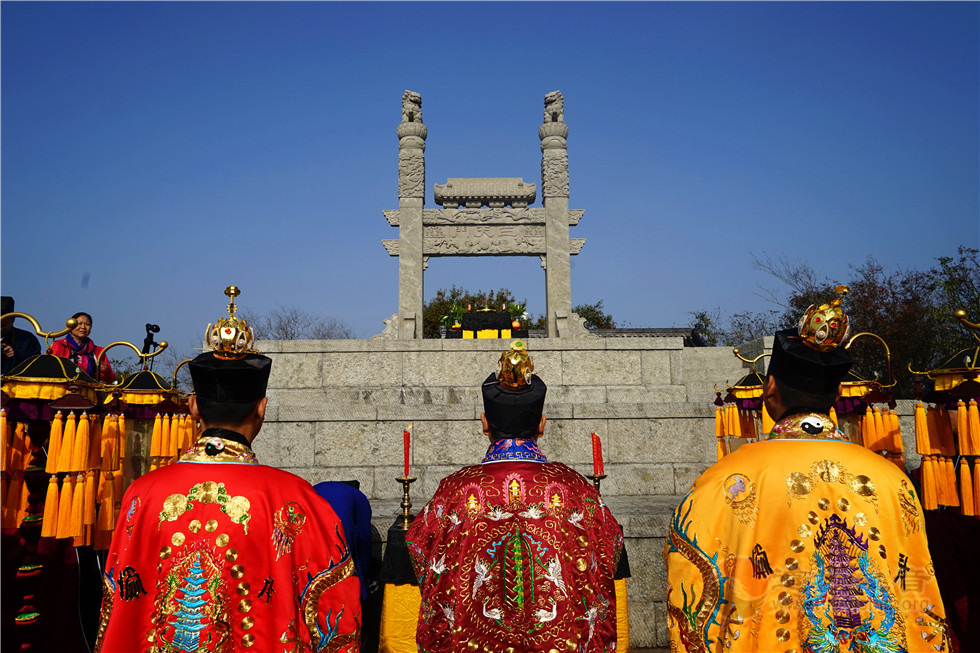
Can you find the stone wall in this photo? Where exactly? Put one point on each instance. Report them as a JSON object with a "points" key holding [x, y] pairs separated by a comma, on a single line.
{"points": [[337, 410]]}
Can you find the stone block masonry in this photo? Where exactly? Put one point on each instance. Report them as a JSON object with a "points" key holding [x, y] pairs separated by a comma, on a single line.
{"points": [[337, 409]]}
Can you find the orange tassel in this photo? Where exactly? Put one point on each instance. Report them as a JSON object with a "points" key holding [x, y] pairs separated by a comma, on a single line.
{"points": [[156, 437], [174, 437], [895, 431], [107, 504], [966, 489], [27, 447], [78, 507], [954, 495], [67, 443], [64, 508], [767, 421], [88, 518], [3, 440], [867, 422], [976, 485], [165, 437], [54, 443], [4, 486], [833, 416], [921, 429], [928, 487], [79, 450], [962, 428], [722, 448], [49, 521], [973, 423], [16, 462], [121, 440], [881, 441]]}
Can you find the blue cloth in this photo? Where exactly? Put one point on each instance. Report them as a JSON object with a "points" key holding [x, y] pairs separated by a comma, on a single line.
{"points": [[354, 511], [514, 449]]}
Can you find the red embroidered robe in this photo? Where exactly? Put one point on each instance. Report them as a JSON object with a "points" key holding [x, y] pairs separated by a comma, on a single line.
{"points": [[219, 553], [517, 556]]}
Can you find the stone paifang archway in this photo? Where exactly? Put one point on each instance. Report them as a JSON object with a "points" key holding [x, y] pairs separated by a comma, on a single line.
{"points": [[483, 217]]}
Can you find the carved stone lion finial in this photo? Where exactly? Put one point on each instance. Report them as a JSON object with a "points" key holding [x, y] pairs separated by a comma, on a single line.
{"points": [[554, 107], [411, 107]]}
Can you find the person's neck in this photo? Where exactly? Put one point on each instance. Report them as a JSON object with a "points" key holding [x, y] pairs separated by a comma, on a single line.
{"points": [[244, 430]]}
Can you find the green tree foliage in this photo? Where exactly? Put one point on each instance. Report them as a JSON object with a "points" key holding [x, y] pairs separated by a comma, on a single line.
{"points": [[911, 310], [595, 317], [446, 302]]}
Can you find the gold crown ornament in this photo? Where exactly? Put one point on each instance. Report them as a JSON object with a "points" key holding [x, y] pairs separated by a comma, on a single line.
{"points": [[824, 328], [515, 367], [230, 337]]}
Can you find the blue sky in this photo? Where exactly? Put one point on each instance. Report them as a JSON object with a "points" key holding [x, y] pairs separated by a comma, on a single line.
{"points": [[153, 153]]}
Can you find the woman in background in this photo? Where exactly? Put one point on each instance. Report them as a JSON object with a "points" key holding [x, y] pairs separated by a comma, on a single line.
{"points": [[79, 349]]}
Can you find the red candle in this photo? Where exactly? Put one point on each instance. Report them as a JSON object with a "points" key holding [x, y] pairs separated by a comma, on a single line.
{"points": [[408, 445], [596, 455]]}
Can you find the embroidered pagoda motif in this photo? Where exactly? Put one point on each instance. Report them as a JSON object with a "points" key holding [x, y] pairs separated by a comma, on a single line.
{"points": [[842, 585], [192, 607]]}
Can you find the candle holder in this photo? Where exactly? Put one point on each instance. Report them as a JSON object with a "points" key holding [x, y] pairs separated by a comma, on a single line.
{"points": [[406, 482], [596, 479]]}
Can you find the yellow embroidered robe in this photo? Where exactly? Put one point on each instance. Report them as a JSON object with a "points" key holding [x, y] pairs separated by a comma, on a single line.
{"points": [[803, 542]]}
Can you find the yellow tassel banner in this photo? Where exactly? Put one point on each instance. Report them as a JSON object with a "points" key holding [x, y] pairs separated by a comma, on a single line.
{"points": [[164, 436], [954, 495], [767, 421], [106, 520], [3, 440], [174, 437], [929, 501], [880, 439], [78, 507], [156, 437], [121, 435], [49, 520], [64, 508], [895, 431], [973, 425], [966, 489], [79, 450], [976, 485], [921, 429], [88, 517], [67, 443], [54, 443], [962, 428], [16, 462]]}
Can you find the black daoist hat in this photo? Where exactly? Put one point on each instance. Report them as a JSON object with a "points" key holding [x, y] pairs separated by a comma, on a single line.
{"points": [[232, 372], [513, 398]]}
